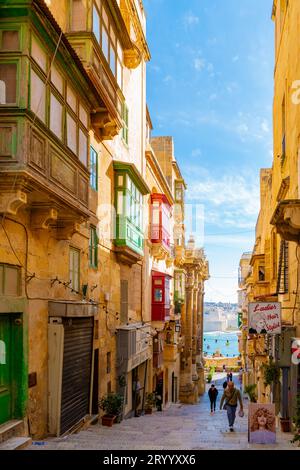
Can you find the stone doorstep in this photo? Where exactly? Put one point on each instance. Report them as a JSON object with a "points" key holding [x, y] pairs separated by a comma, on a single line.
{"points": [[16, 443], [13, 428]]}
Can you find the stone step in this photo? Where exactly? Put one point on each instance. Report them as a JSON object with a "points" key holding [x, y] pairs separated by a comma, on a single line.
{"points": [[11, 429], [16, 443]]}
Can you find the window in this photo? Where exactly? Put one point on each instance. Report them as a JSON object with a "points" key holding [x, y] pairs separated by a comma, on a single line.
{"points": [[93, 169], [38, 53], [107, 39], [261, 274], [38, 96], [125, 123], [74, 269], [93, 248], [56, 114], [57, 79], [10, 277], [10, 41], [71, 133], [8, 83], [158, 295], [78, 19], [83, 145]]}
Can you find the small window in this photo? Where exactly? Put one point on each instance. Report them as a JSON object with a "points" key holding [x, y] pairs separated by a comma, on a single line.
{"points": [[94, 169], [105, 43], [38, 96], [10, 41], [78, 20], [125, 123], [261, 273], [56, 112], [8, 83], [158, 295], [96, 24], [71, 133], [83, 116], [39, 54], [83, 147], [57, 79], [74, 269], [71, 99], [93, 248]]}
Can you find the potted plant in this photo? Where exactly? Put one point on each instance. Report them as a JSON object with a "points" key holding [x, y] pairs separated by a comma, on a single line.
{"points": [[271, 373], [296, 422], [150, 403], [250, 390], [111, 404]]}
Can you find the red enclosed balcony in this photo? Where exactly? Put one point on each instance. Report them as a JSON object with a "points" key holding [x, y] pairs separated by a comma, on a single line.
{"points": [[160, 296], [160, 225]]}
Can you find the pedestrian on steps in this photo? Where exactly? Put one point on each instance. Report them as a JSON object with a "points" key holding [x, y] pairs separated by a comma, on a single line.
{"points": [[212, 393], [231, 396]]}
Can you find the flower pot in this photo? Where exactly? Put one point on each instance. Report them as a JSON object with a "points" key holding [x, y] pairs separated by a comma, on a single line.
{"points": [[148, 411], [108, 420], [285, 424]]}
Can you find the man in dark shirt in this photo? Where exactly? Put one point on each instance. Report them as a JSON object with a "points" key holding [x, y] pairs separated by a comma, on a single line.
{"points": [[213, 393]]}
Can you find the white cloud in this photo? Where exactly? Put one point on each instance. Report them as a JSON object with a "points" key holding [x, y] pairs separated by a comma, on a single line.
{"points": [[196, 153], [235, 58], [155, 68], [167, 79], [265, 126], [190, 19], [199, 64], [213, 97]]}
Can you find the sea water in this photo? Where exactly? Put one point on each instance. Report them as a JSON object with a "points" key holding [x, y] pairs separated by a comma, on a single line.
{"points": [[224, 342]]}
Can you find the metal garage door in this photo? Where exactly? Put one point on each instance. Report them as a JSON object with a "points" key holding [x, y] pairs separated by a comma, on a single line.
{"points": [[76, 377]]}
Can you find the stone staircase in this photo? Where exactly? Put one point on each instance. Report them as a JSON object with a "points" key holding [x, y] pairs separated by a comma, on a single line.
{"points": [[13, 435]]}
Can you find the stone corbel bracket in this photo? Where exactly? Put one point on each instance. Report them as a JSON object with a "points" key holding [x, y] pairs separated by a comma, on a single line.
{"points": [[11, 202], [43, 218], [132, 57], [67, 231]]}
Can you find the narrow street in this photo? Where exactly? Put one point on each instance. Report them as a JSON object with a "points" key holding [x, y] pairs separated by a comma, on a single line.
{"points": [[181, 427]]}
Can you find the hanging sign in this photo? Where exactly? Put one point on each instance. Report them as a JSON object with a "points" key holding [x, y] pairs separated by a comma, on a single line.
{"points": [[295, 350], [264, 318]]}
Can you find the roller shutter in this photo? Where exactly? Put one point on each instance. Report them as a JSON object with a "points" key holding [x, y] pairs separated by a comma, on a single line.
{"points": [[76, 375]]}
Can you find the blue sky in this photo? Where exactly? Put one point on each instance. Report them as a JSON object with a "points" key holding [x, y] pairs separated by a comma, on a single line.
{"points": [[210, 86]]}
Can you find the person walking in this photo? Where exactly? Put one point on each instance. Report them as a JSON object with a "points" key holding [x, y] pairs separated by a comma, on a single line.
{"points": [[231, 396], [212, 393], [225, 385], [230, 376]]}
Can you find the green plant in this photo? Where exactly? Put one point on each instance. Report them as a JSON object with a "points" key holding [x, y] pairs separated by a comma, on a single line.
{"points": [[209, 378], [296, 421], [271, 373], [150, 400], [122, 381], [111, 404], [250, 390]]}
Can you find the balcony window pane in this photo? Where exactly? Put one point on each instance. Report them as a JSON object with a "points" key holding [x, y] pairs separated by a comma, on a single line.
{"points": [[39, 54], [105, 17], [93, 169], [71, 99], [57, 79], [8, 83], [78, 15], [120, 203], [112, 60], [83, 115], [105, 43], [10, 40], [96, 24], [119, 74], [82, 147], [56, 111], [71, 133], [112, 36], [38, 96]]}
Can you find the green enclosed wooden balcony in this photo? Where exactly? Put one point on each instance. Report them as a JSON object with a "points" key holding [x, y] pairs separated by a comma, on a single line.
{"points": [[130, 188]]}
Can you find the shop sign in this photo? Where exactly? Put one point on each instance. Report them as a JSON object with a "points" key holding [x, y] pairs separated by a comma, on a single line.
{"points": [[264, 318]]}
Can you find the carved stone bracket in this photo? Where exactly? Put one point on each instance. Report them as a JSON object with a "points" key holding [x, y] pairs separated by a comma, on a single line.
{"points": [[105, 126], [287, 220], [10, 202], [66, 231], [41, 218], [132, 57]]}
